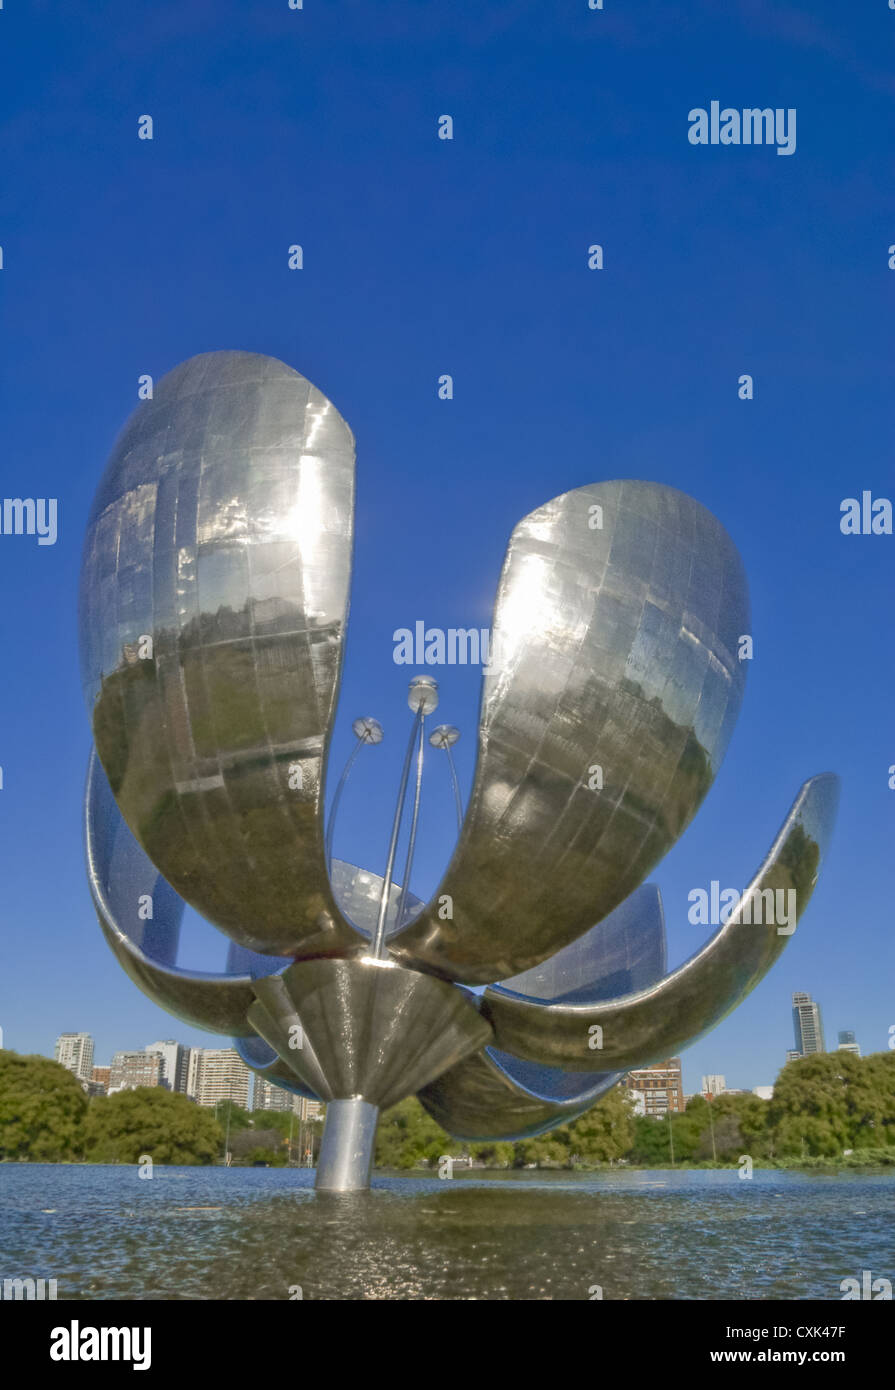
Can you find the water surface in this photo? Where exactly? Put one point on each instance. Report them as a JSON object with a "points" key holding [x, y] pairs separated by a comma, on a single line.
{"points": [[257, 1233]]}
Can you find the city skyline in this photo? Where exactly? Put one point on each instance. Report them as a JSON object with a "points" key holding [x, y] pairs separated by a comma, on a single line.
{"points": [[207, 1075], [846, 1041]]}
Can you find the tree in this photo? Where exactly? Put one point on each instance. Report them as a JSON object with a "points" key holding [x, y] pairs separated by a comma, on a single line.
{"points": [[601, 1135], [150, 1120], [42, 1106], [654, 1146], [495, 1153], [752, 1120], [408, 1135], [871, 1102], [832, 1101], [265, 1158], [723, 1129], [305, 1134], [606, 1131], [550, 1150], [239, 1118], [253, 1145]]}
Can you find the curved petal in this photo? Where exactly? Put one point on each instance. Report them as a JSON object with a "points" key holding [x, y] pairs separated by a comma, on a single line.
{"points": [[490, 1096], [120, 876], [623, 953], [616, 663], [494, 1095], [661, 1020], [365, 1027], [260, 1058], [214, 597], [356, 891]]}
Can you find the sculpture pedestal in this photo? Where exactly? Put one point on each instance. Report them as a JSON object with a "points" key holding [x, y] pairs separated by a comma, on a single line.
{"points": [[346, 1152], [361, 1034]]}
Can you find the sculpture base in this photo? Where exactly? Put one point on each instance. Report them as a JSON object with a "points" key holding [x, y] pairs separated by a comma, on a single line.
{"points": [[346, 1152]]}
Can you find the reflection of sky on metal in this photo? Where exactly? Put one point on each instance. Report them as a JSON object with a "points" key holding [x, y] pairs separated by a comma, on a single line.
{"points": [[617, 652], [623, 953], [659, 1017], [222, 529], [492, 1095]]}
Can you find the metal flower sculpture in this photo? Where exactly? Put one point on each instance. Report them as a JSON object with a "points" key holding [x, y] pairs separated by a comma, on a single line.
{"points": [[214, 600]]}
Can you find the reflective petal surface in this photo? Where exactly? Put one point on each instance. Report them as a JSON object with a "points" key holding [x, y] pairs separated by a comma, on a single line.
{"points": [[482, 1098], [214, 596], [495, 1095], [214, 599], [615, 688], [623, 953], [260, 1058], [659, 1021], [122, 880], [362, 1028]]}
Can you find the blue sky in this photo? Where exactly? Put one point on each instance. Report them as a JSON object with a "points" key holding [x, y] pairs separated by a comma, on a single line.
{"points": [[469, 257]]}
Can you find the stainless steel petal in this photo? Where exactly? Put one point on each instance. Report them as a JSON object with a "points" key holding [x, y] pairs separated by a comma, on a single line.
{"points": [[495, 1095], [260, 1058], [274, 1016], [367, 1028], [482, 1098], [623, 953], [357, 892], [214, 597], [659, 1021], [603, 722], [123, 882]]}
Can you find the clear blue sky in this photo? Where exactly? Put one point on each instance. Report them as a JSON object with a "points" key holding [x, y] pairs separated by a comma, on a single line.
{"points": [[423, 256]]}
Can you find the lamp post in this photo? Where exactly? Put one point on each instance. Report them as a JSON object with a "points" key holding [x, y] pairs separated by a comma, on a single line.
{"points": [[445, 736], [228, 1104], [422, 698], [367, 731]]}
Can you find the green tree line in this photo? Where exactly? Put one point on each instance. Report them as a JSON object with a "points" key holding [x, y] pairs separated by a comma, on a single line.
{"points": [[823, 1107], [45, 1117]]}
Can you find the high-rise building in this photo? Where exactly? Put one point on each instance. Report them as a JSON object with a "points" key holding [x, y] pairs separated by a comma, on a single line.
{"points": [[793, 1055], [763, 1092], [657, 1089], [847, 1043], [74, 1051], [269, 1097], [807, 1024], [101, 1077], [219, 1073], [132, 1069], [192, 1068], [173, 1064], [713, 1085]]}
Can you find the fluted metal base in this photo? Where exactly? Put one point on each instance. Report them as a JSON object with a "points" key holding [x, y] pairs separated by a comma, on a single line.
{"points": [[346, 1153]]}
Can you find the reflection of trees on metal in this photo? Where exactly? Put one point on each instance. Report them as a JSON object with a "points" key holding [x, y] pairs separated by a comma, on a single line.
{"points": [[222, 529]]}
